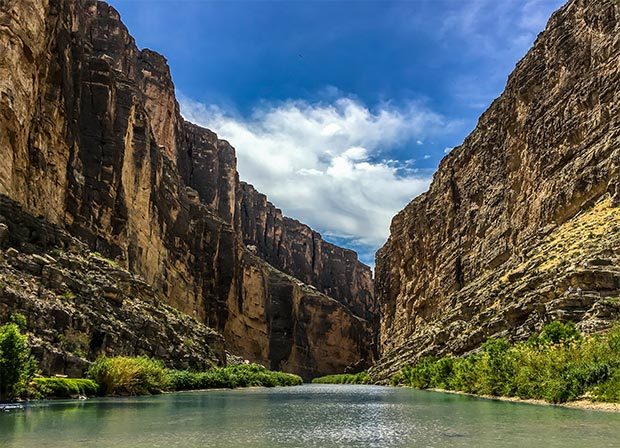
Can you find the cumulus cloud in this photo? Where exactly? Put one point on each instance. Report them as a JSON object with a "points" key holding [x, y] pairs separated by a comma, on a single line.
{"points": [[325, 164]]}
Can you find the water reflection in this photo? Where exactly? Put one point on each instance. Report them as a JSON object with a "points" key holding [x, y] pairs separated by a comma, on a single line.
{"points": [[306, 416]]}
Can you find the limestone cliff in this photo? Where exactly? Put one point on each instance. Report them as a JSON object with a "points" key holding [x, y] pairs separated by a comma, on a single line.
{"points": [[295, 248], [91, 139], [295, 326], [519, 224]]}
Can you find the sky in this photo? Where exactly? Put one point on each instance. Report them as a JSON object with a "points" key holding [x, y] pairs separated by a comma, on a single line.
{"points": [[340, 111]]}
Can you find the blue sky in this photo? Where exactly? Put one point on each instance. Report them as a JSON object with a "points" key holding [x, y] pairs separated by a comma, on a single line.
{"points": [[340, 111]]}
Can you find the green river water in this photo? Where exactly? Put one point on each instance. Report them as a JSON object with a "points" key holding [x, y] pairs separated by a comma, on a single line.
{"points": [[304, 416]]}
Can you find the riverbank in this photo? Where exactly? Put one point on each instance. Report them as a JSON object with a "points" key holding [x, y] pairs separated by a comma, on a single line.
{"points": [[344, 378], [577, 404], [118, 375], [363, 379]]}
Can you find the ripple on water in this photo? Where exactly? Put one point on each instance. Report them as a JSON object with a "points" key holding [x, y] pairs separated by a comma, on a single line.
{"points": [[307, 416]]}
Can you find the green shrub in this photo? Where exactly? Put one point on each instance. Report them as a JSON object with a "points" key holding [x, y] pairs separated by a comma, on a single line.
{"points": [[464, 376], [139, 376], [122, 375], [441, 371], [345, 378], [609, 390], [19, 320], [558, 365], [420, 375], [557, 332], [243, 375], [494, 368], [17, 366], [62, 387]]}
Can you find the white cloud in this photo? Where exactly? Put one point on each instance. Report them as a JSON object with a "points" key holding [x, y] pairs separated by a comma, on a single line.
{"points": [[323, 163], [447, 149]]}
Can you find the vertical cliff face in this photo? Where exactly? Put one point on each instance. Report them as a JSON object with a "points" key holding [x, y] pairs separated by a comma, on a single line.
{"points": [[465, 260], [298, 250], [94, 142], [294, 326]]}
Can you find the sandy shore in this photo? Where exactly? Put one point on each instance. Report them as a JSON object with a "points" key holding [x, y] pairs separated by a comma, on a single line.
{"points": [[579, 404]]}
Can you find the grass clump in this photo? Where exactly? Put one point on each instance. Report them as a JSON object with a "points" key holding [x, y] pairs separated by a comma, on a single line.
{"points": [[123, 375], [344, 378], [62, 387], [243, 375], [558, 365]]}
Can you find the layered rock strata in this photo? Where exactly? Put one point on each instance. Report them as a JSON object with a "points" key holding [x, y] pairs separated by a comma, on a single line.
{"points": [[468, 260], [92, 140], [295, 326]]}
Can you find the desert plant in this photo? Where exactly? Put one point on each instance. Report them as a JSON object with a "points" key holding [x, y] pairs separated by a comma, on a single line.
{"points": [[345, 378], [243, 375], [557, 365]]}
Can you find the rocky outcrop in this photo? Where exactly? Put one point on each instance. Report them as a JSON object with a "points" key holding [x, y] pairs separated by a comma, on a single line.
{"points": [[92, 140], [486, 252], [79, 305]]}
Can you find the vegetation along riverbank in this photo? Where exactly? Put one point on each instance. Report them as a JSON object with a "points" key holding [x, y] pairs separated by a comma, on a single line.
{"points": [[119, 375], [559, 365], [344, 378]]}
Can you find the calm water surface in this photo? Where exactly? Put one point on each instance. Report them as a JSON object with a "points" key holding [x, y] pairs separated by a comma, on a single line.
{"points": [[305, 416]]}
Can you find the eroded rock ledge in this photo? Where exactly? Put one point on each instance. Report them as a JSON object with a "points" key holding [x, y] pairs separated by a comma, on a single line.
{"points": [[79, 305]]}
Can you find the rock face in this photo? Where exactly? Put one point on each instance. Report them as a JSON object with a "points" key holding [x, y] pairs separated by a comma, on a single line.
{"points": [[79, 305], [295, 326], [517, 227], [92, 140], [295, 248]]}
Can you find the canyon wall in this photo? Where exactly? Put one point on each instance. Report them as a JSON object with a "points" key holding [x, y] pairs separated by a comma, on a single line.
{"points": [[520, 224], [93, 141], [296, 249]]}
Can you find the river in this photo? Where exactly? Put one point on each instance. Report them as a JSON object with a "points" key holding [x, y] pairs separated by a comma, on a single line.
{"points": [[304, 416]]}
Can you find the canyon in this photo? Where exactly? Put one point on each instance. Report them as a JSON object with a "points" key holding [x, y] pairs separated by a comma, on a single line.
{"points": [[97, 157], [125, 229]]}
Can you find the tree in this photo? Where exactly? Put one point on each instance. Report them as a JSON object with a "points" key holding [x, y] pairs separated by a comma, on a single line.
{"points": [[17, 366]]}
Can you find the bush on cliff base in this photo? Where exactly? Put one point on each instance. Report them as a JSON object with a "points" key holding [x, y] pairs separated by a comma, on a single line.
{"points": [[62, 387], [344, 378], [243, 375], [123, 375], [17, 366]]}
